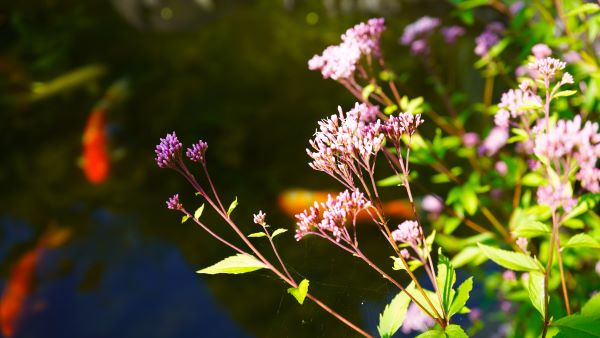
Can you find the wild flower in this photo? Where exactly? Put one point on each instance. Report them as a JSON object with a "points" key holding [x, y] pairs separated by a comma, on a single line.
{"points": [[515, 103], [339, 62], [259, 218], [495, 140], [407, 232], [403, 124], [501, 168], [556, 196], [197, 151], [452, 33], [329, 219], [168, 151], [541, 51], [432, 204], [547, 67], [522, 243], [509, 275], [417, 33], [470, 139], [489, 38], [173, 203]]}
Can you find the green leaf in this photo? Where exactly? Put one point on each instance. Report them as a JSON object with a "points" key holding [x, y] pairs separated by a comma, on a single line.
{"points": [[531, 229], [585, 203], [462, 295], [232, 206], [391, 181], [455, 331], [469, 200], [421, 299], [434, 333], [466, 256], [278, 232], [582, 241], [592, 307], [588, 8], [446, 277], [240, 263], [578, 326], [535, 288], [184, 219], [393, 315], [509, 259], [300, 292], [257, 234], [565, 93], [368, 90], [390, 109], [199, 211]]}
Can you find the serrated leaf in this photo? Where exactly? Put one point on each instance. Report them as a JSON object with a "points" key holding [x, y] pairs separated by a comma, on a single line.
{"points": [[232, 206], [531, 229], [565, 93], [278, 232], [586, 202], [421, 299], [446, 277], [393, 315], [462, 295], [582, 241], [455, 331], [434, 333], [257, 234], [199, 211], [300, 292], [509, 259], [184, 219], [240, 263], [535, 288]]}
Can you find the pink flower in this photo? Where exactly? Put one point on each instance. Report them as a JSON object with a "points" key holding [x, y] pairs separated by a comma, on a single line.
{"points": [[509, 275], [489, 38], [515, 103], [522, 243], [419, 29], [557, 196], [407, 232], [432, 204], [452, 33], [547, 68], [470, 139], [416, 320], [541, 51], [501, 168], [495, 140], [260, 218]]}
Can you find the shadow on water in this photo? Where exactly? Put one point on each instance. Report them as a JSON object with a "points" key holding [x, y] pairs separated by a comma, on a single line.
{"points": [[236, 78]]}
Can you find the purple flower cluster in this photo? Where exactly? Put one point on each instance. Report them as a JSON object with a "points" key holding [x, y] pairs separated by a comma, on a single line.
{"points": [[489, 38], [546, 68], [196, 152], [340, 61], [407, 232], [495, 140], [168, 151], [417, 33], [330, 218], [452, 33], [344, 143], [515, 103], [173, 203], [571, 144], [541, 51], [556, 196]]}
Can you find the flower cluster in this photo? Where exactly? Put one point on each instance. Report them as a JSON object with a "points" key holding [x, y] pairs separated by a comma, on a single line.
{"points": [[404, 123], [344, 143], [514, 103], [417, 33], [331, 217], [546, 68], [168, 151], [173, 203], [489, 38], [495, 140], [260, 218], [407, 232], [340, 61], [196, 152], [541, 51], [556, 196], [416, 320], [570, 144], [452, 33]]}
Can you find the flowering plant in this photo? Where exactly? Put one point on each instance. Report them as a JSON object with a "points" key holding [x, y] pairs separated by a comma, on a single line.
{"points": [[528, 189]]}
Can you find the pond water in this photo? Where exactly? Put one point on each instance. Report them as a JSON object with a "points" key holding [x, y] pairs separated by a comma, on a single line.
{"points": [[235, 76]]}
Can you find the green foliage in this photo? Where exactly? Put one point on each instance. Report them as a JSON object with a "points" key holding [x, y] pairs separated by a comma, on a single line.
{"points": [[300, 292], [462, 295], [232, 206], [446, 277], [392, 317], [240, 263], [184, 219], [451, 331], [199, 211], [535, 289], [582, 241], [278, 232], [510, 259]]}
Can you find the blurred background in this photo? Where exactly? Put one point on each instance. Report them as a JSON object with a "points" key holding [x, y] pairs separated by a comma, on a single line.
{"points": [[90, 244]]}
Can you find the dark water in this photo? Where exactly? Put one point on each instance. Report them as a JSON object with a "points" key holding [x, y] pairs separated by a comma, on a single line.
{"points": [[234, 76]]}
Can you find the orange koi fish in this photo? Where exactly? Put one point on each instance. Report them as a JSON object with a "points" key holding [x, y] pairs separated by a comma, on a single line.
{"points": [[20, 282], [96, 160], [293, 202]]}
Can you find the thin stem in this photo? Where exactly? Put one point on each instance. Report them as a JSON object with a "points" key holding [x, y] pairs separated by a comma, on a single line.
{"points": [[212, 187], [562, 275], [277, 254], [338, 316], [488, 214], [547, 274], [207, 229]]}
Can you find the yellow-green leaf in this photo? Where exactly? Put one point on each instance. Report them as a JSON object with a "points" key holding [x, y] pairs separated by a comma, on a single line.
{"points": [[278, 232], [300, 292], [240, 263], [509, 259], [392, 317], [232, 206], [535, 288], [199, 211]]}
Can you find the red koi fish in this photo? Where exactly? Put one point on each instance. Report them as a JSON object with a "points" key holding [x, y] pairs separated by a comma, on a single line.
{"points": [[295, 201], [20, 282], [96, 163], [96, 159]]}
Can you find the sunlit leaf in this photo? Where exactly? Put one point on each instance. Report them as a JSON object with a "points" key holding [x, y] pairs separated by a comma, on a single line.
{"points": [[393, 315], [565, 93], [446, 277], [184, 219], [531, 229], [257, 234], [533, 180], [582, 241], [592, 307], [509, 259], [462, 295], [535, 288], [199, 211], [232, 206], [300, 292], [578, 326], [278, 232], [240, 263]]}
